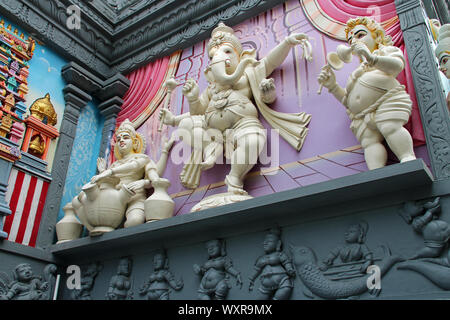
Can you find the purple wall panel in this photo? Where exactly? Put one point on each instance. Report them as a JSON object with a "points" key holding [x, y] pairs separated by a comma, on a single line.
{"points": [[297, 91]]}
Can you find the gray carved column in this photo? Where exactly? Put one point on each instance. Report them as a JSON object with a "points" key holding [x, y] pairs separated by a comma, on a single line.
{"points": [[9, 152], [428, 85], [111, 96], [77, 93]]}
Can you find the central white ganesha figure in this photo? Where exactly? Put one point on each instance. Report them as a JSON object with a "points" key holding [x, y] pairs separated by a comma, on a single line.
{"points": [[225, 115]]}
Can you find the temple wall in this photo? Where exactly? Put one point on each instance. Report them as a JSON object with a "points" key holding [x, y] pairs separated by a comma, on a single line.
{"points": [[309, 201]]}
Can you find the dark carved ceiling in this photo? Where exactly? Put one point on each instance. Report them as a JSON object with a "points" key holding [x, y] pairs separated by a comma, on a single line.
{"points": [[118, 36]]}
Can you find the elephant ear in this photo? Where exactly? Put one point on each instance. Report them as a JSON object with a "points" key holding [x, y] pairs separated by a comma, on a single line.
{"points": [[248, 54]]}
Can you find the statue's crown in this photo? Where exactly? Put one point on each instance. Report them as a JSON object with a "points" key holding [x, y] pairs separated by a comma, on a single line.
{"points": [[126, 126], [444, 40], [224, 34]]}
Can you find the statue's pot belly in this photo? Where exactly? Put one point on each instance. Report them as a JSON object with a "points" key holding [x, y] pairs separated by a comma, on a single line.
{"points": [[226, 113], [370, 87]]}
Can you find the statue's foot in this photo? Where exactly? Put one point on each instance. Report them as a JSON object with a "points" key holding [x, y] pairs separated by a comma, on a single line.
{"points": [[235, 185], [408, 158], [237, 190]]}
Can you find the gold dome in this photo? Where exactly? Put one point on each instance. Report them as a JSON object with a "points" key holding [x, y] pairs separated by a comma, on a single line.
{"points": [[43, 110]]}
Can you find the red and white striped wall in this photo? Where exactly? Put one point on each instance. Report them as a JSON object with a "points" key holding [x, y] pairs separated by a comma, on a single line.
{"points": [[26, 197]]}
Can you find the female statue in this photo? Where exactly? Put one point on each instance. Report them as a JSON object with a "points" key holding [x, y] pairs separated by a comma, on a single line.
{"points": [[121, 189], [134, 169]]}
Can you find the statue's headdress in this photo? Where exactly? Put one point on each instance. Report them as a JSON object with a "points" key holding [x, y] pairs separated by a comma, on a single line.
{"points": [[138, 140], [374, 27], [444, 41], [223, 34]]}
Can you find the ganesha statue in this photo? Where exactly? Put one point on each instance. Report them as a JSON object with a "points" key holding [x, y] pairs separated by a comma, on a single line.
{"points": [[224, 117], [118, 194], [377, 104]]}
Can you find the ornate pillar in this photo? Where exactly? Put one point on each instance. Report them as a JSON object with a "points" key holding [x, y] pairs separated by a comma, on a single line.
{"points": [[111, 96], [81, 84], [428, 85], [9, 152]]}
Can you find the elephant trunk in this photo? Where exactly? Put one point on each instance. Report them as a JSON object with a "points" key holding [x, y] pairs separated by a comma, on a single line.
{"points": [[218, 70]]}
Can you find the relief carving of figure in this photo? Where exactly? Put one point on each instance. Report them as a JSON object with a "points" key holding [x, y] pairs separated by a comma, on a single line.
{"points": [[355, 249], [275, 270], [120, 284], [225, 115], [215, 272], [376, 102], [319, 284], [161, 280], [433, 259], [26, 285], [120, 190], [88, 276]]}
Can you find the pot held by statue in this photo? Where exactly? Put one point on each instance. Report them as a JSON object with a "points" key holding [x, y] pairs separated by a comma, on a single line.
{"points": [[159, 205], [101, 207], [68, 228]]}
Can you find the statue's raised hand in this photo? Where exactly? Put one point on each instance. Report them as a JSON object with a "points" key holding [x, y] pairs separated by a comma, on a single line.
{"points": [[327, 78], [101, 164], [361, 50], [190, 90], [268, 90], [167, 117], [296, 38]]}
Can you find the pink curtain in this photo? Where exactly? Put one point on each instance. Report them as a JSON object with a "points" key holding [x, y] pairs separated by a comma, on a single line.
{"points": [[146, 92], [383, 11], [144, 84]]}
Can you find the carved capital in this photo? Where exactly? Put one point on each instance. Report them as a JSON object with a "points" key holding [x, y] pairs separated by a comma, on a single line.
{"points": [[111, 107], [115, 86], [76, 75]]}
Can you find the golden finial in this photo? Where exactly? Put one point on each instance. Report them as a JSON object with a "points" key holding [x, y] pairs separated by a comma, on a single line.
{"points": [[43, 110]]}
